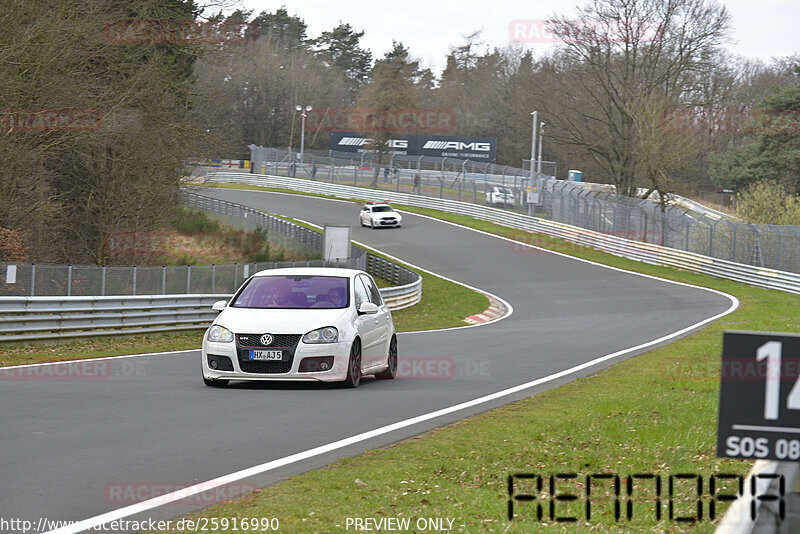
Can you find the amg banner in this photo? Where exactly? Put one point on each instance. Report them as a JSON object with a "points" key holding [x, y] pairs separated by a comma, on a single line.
{"points": [[355, 143], [440, 146], [450, 146]]}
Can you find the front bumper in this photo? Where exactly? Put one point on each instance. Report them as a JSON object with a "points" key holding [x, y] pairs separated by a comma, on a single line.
{"points": [[339, 351], [388, 221]]}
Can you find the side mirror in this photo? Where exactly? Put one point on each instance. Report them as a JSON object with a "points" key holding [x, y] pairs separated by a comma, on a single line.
{"points": [[219, 305], [368, 307]]}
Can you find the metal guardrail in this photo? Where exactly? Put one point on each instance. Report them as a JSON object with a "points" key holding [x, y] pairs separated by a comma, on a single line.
{"points": [[37, 318], [678, 200], [618, 246], [409, 284], [680, 223], [281, 232], [61, 317], [29, 318]]}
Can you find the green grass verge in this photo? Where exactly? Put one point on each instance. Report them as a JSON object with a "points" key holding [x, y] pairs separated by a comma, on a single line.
{"points": [[653, 413], [40, 352]]}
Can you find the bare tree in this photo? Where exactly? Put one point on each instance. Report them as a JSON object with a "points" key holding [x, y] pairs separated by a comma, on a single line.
{"points": [[619, 56]]}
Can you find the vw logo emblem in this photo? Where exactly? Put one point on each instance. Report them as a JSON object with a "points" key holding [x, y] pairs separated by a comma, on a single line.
{"points": [[266, 339]]}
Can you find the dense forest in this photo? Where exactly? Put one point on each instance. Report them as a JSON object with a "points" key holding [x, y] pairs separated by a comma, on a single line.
{"points": [[134, 88]]}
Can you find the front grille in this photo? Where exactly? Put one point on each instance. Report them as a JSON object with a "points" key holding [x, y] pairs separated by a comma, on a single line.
{"points": [[389, 220], [249, 366], [286, 342], [253, 341]]}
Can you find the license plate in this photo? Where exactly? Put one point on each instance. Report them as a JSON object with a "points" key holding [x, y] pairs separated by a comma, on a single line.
{"points": [[266, 354]]}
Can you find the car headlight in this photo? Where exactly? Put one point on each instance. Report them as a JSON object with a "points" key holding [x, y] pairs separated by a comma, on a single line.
{"points": [[219, 334], [329, 334]]}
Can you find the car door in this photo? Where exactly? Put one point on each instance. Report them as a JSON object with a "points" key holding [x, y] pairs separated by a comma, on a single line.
{"points": [[382, 321], [365, 215], [365, 324]]}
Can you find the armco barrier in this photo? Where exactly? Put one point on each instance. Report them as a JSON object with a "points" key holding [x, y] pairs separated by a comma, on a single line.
{"points": [[53, 317], [618, 246], [29, 318]]}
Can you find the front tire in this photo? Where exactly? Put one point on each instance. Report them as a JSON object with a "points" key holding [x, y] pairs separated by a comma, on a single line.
{"points": [[390, 371], [353, 378]]}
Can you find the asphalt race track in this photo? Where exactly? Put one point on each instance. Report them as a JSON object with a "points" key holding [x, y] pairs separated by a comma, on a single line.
{"points": [[78, 446]]}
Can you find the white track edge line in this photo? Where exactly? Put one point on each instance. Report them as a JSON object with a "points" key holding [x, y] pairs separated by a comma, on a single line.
{"points": [[143, 506], [287, 460]]}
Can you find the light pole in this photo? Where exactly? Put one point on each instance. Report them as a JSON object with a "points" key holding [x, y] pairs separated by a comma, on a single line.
{"points": [[533, 141], [302, 111], [541, 136]]}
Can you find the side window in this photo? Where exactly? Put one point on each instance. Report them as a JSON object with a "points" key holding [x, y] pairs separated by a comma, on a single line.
{"points": [[360, 291], [374, 294]]}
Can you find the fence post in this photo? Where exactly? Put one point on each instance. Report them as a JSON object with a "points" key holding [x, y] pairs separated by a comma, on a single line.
{"points": [[163, 279], [69, 280], [213, 276], [688, 232], [711, 238], [134, 280], [188, 279], [33, 279], [235, 272], [103, 282], [780, 246]]}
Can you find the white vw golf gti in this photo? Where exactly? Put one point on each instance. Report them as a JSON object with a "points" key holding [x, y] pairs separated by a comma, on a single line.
{"points": [[312, 324]]}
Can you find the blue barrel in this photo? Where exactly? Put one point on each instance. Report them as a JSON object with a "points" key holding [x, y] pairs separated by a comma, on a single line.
{"points": [[574, 176]]}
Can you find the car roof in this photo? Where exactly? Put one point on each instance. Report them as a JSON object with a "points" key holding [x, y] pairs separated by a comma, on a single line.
{"points": [[310, 271]]}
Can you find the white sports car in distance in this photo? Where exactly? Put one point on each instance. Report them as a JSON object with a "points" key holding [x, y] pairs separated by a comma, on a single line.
{"points": [[378, 214], [500, 196], [309, 324]]}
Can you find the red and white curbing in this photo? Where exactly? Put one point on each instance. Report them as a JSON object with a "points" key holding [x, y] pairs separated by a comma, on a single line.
{"points": [[495, 311]]}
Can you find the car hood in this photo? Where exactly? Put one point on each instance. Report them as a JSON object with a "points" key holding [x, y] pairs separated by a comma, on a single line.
{"points": [[257, 321]]}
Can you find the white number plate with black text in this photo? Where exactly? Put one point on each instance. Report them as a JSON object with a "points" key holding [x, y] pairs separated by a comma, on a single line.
{"points": [[266, 354]]}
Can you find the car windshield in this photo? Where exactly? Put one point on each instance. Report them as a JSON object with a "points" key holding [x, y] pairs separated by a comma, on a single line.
{"points": [[294, 292], [381, 208]]}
